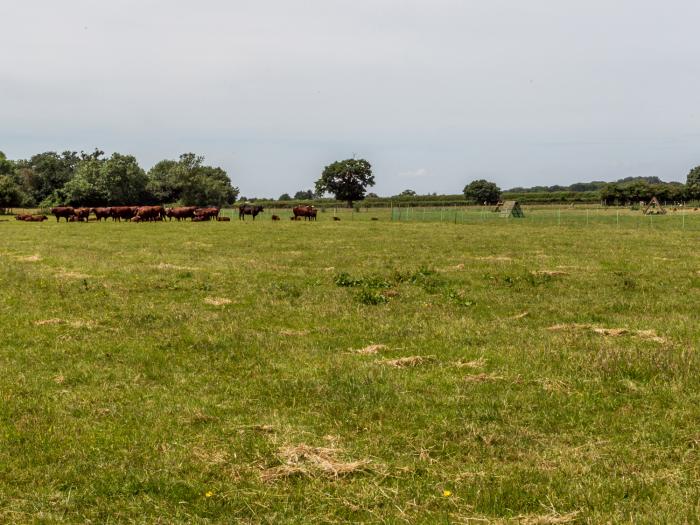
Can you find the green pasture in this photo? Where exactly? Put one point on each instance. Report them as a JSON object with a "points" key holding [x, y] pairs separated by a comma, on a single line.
{"points": [[412, 371]]}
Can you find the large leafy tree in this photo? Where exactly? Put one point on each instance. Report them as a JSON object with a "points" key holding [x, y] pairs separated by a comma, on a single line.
{"points": [[304, 195], [46, 173], [482, 191], [189, 182], [86, 188], [693, 183], [122, 180], [346, 179]]}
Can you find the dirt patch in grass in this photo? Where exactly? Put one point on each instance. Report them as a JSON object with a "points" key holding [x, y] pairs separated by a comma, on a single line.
{"points": [[407, 362], [217, 301], [304, 460], [482, 378], [649, 335], [370, 350]]}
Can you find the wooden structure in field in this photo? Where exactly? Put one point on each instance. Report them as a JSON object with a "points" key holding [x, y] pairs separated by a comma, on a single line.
{"points": [[512, 209], [654, 208]]}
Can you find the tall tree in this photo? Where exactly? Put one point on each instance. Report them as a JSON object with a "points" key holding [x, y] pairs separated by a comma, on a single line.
{"points": [[693, 183], [46, 173], [482, 191], [347, 180]]}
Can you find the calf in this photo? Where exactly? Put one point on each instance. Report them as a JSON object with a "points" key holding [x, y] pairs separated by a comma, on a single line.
{"points": [[223, 219], [275, 218]]}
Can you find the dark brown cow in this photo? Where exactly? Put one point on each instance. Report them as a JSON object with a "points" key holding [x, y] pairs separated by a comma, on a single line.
{"points": [[151, 213], [308, 212], [36, 218], [101, 213], [123, 212], [275, 217], [182, 212], [223, 219], [63, 211], [209, 214], [249, 209], [22, 216], [336, 218]]}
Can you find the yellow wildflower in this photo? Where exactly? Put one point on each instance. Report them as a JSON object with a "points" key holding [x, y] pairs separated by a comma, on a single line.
{"points": [[209, 494], [447, 493]]}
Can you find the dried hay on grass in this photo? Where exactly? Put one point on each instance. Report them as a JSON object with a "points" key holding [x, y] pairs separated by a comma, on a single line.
{"points": [[550, 273], [29, 258], [497, 258], [217, 301], [482, 378], [649, 335], [73, 324], [407, 362], [548, 519], [370, 350], [477, 363], [295, 333], [72, 275], [520, 316], [168, 266], [303, 460]]}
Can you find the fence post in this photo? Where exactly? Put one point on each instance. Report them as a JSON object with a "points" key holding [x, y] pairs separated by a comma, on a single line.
{"points": [[683, 215], [618, 219]]}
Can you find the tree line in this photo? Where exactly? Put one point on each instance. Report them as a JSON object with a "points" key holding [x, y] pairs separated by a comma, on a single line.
{"points": [[93, 179]]}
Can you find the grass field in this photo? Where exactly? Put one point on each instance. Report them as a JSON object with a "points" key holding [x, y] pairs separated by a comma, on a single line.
{"points": [[352, 371]]}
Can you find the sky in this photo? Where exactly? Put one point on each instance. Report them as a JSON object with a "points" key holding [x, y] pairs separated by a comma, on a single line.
{"points": [[434, 93]]}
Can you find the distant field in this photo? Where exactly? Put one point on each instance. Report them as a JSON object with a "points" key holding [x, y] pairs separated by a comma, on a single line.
{"points": [[357, 371]]}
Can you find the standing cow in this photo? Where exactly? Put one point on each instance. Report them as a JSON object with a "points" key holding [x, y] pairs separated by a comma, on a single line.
{"points": [[101, 213], [63, 211], [248, 209], [308, 212], [180, 213]]}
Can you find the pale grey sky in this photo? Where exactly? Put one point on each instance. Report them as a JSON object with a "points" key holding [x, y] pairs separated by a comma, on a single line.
{"points": [[433, 93]]}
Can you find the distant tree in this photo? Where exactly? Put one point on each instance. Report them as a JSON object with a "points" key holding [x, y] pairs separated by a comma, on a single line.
{"points": [[304, 195], [285, 197], [190, 182], [11, 194], [371, 195], [122, 181], [347, 180], [480, 191], [407, 193], [85, 188], [44, 174], [693, 183]]}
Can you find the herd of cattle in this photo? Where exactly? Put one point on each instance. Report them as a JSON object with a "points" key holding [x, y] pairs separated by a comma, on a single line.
{"points": [[159, 213]]}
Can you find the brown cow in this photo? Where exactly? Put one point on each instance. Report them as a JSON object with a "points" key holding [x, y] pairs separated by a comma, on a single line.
{"points": [[199, 218], [182, 212], [223, 219], [36, 218], [275, 217], [101, 213], [308, 212], [63, 211], [209, 214], [22, 216], [336, 218], [123, 212], [151, 213], [249, 209]]}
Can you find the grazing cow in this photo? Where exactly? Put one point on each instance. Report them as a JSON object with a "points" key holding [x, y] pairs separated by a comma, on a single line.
{"points": [[209, 214], [249, 209], [36, 218], [182, 212], [223, 219], [123, 212], [101, 213], [151, 213], [63, 211], [308, 212], [275, 217]]}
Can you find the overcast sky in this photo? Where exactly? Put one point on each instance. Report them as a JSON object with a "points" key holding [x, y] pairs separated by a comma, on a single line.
{"points": [[434, 93]]}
